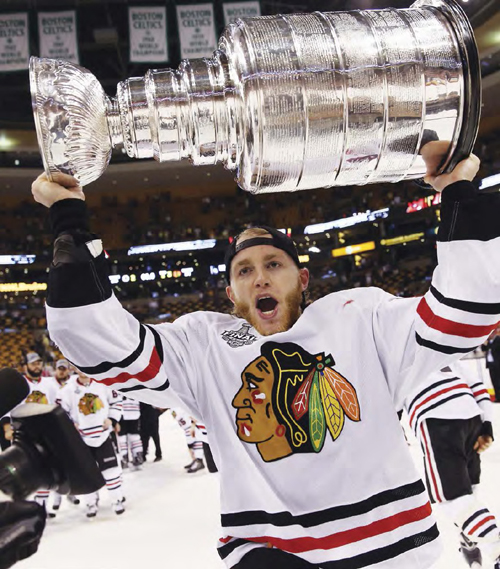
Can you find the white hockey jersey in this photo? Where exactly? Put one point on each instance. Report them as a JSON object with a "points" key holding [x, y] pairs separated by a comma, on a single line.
{"points": [[302, 424], [449, 394], [89, 406], [131, 409], [43, 391]]}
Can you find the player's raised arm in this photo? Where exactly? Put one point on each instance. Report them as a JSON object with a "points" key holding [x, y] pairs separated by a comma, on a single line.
{"points": [[418, 336], [86, 320]]}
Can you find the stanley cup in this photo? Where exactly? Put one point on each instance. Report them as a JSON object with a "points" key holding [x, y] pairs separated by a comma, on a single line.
{"points": [[290, 102]]}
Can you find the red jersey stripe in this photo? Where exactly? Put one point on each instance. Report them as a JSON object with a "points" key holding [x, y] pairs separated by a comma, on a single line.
{"points": [[433, 396], [480, 524], [149, 372], [339, 539], [448, 326], [432, 473]]}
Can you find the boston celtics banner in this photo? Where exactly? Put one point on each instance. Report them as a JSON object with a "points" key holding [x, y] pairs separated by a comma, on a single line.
{"points": [[148, 34], [235, 10], [14, 51], [57, 33], [196, 30]]}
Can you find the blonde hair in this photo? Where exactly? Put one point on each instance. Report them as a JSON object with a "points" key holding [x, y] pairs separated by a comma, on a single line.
{"points": [[252, 232]]}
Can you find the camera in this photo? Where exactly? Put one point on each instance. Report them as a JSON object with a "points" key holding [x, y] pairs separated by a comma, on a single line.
{"points": [[47, 452]]}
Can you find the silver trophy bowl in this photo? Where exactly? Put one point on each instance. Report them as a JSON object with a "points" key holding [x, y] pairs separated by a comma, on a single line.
{"points": [[290, 102]]}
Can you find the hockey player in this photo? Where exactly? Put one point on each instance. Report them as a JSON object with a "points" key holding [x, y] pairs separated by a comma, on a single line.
{"points": [[195, 437], [149, 424], [300, 404], [95, 409], [129, 438], [42, 391], [62, 374], [451, 418]]}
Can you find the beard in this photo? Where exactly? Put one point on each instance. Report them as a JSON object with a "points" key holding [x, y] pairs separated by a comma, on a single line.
{"points": [[292, 311], [35, 373]]}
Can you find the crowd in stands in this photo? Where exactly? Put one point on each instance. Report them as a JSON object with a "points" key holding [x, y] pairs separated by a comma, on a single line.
{"points": [[126, 220]]}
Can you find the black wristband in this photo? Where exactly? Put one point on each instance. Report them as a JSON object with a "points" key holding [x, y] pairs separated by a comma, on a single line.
{"points": [[459, 191], [468, 214], [69, 215], [487, 429]]}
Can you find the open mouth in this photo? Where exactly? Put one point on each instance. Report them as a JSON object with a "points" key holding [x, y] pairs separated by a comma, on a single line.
{"points": [[267, 306]]}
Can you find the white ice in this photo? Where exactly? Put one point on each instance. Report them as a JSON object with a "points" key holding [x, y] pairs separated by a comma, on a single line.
{"points": [[172, 518]]}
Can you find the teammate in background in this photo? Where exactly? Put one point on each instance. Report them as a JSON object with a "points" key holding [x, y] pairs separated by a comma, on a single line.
{"points": [[42, 391], [300, 404], [149, 428], [129, 438], [195, 436], [95, 409], [62, 374], [451, 418], [492, 349]]}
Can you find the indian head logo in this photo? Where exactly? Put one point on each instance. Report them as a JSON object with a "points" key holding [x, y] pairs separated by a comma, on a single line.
{"points": [[37, 397], [238, 338], [89, 404], [289, 399]]}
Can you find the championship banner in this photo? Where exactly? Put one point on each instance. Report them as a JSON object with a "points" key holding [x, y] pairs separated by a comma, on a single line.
{"points": [[148, 34], [196, 30], [235, 10], [57, 32], [14, 49]]}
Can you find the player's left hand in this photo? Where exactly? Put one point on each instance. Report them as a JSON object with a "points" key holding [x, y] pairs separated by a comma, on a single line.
{"points": [[433, 153], [107, 423], [483, 443]]}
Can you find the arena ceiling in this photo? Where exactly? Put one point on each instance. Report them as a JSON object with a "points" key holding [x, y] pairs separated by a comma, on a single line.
{"points": [[103, 47]]}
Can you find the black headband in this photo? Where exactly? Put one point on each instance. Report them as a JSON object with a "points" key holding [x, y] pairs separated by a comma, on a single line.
{"points": [[276, 239]]}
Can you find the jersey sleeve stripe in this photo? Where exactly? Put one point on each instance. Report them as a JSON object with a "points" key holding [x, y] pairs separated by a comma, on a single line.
{"points": [[449, 326], [430, 388], [148, 373], [442, 348], [466, 306], [104, 367]]}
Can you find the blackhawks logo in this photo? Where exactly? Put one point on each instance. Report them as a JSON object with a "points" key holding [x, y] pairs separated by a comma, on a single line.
{"points": [[37, 397], [290, 399], [90, 404]]}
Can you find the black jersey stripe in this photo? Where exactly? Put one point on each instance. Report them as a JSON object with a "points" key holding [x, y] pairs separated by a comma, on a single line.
{"points": [[228, 548], [385, 553], [488, 530], [465, 305], [123, 364], [442, 348], [283, 519], [430, 388]]}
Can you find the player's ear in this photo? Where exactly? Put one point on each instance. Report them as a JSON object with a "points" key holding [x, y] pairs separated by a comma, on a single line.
{"points": [[230, 294]]}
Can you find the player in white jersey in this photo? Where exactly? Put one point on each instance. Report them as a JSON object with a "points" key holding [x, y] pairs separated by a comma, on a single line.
{"points": [[196, 435], [300, 404], [451, 417], [42, 391], [95, 409], [129, 438]]}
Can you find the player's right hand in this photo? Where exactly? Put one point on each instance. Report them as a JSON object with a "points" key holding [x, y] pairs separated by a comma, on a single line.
{"points": [[48, 193]]}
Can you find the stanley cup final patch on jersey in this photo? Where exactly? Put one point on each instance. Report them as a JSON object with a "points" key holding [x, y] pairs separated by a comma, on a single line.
{"points": [[290, 399], [239, 338]]}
